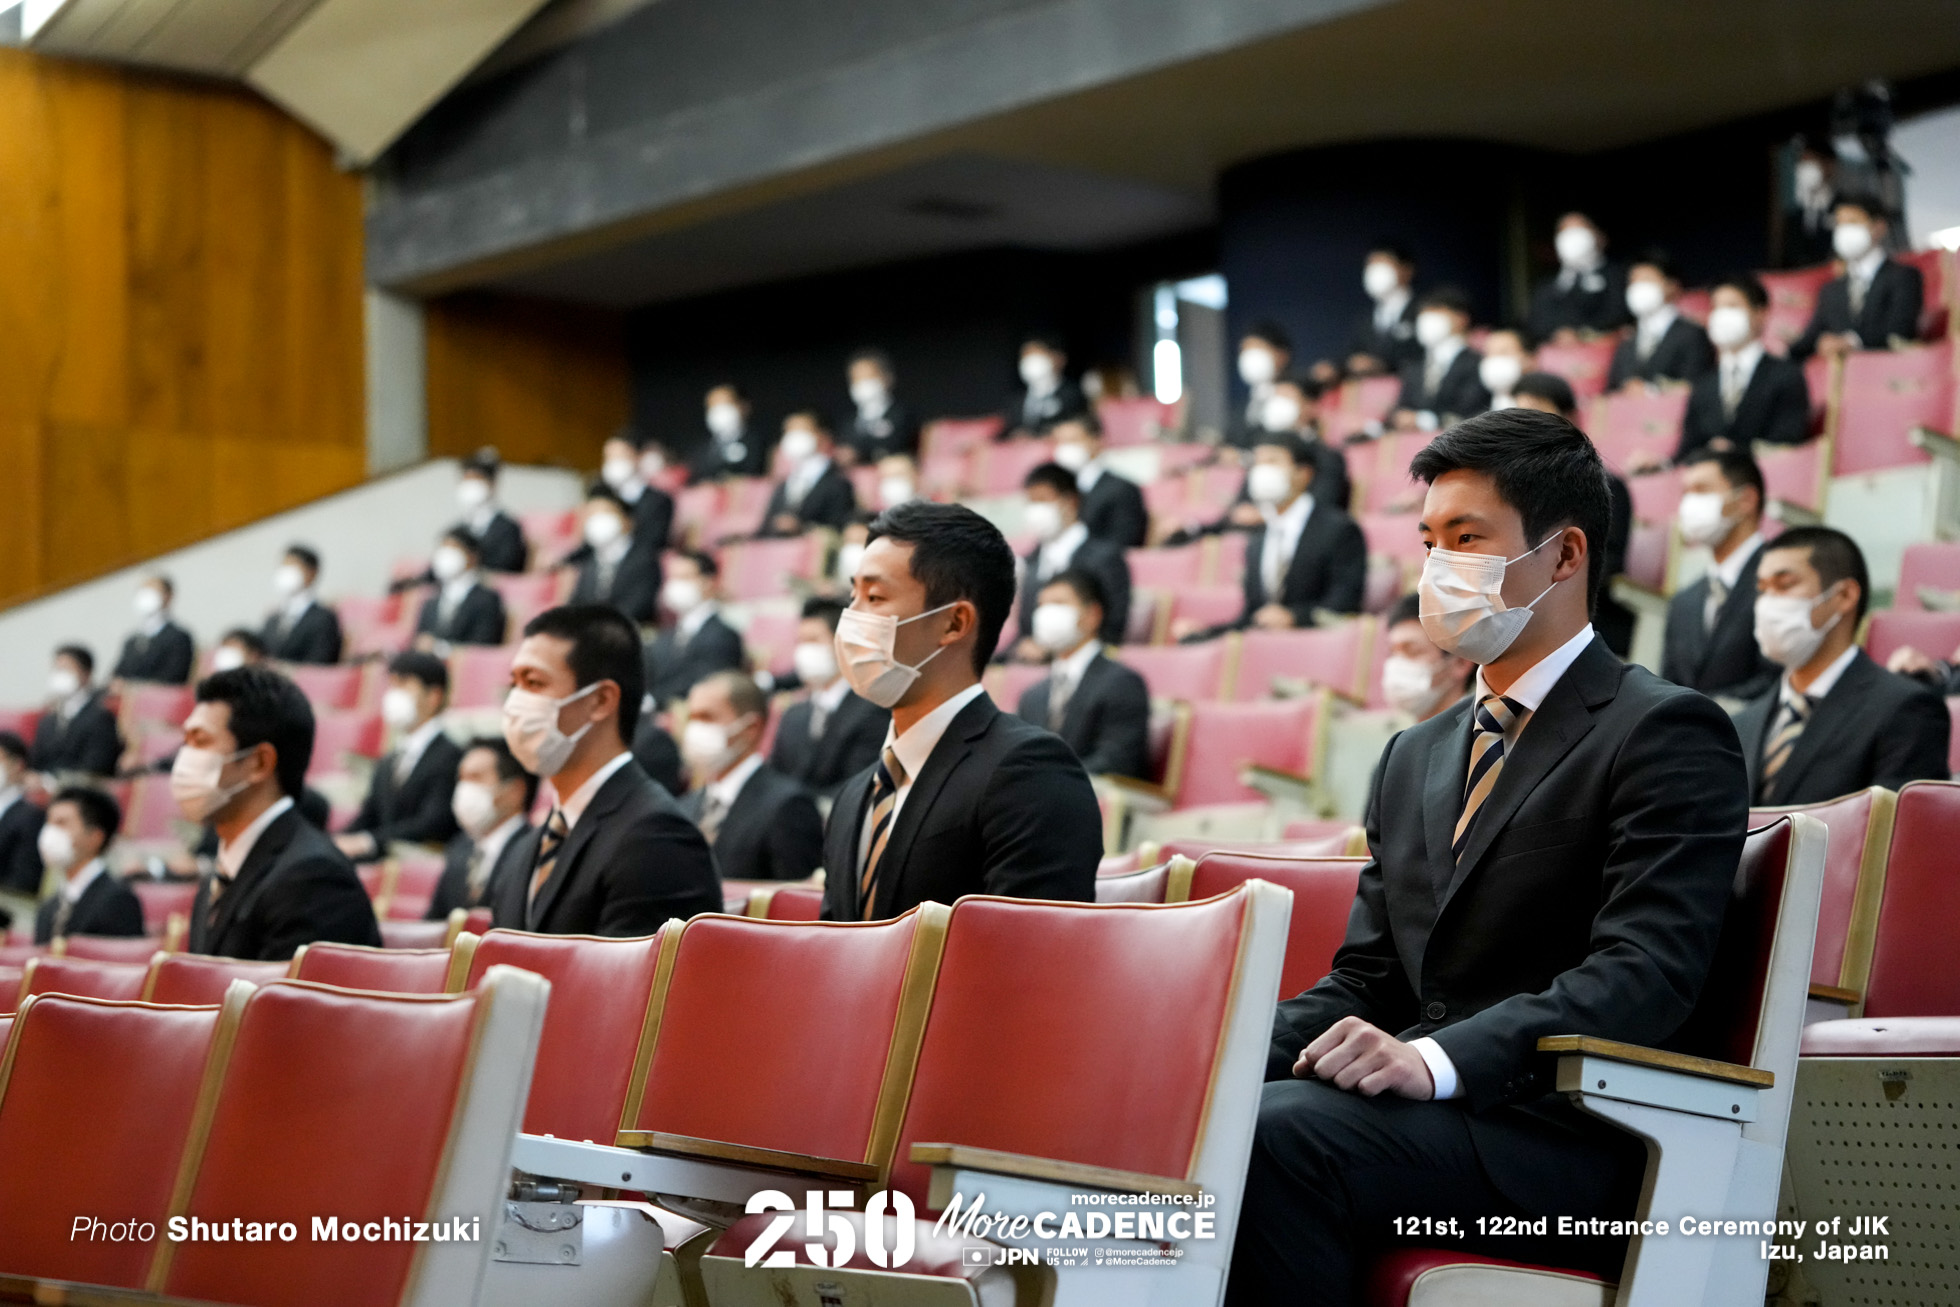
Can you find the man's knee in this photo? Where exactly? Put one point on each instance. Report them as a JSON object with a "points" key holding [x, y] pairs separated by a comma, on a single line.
{"points": [[1310, 1123]]}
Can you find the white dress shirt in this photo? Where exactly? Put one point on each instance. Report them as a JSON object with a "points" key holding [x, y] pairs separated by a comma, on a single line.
{"points": [[694, 618], [1858, 277], [1282, 541], [1735, 371], [1729, 572], [729, 787], [1825, 682], [1092, 472], [492, 846], [1528, 691], [1389, 311], [413, 745], [481, 517], [8, 798], [296, 606], [914, 750], [455, 592], [77, 885], [804, 477], [1647, 331], [153, 627], [232, 855], [1054, 557], [574, 807]]}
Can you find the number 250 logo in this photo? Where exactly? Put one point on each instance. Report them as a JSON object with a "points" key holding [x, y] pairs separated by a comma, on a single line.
{"points": [[825, 1210]]}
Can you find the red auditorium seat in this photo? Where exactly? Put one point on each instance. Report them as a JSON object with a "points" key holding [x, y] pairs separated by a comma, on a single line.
{"points": [[1860, 827], [389, 970], [1182, 671], [1323, 893], [1583, 364], [958, 435], [1142, 885], [1392, 485], [94, 1114], [695, 509], [336, 687], [1000, 469], [1223, 739], [1935, 634], [793, 902], [1337, 657], [1953, 739], [1207, 605], [741, 513], [1225, 558], [396, 933], [1212, 490], [1317, 828], [768, 569], [1885, 395], [1929, 570], [375, 623], [146, 704], [83, 978], [1936, 267], [110, 948], [1147, 605], [9, 997], [1915, 971], [479, 675], [411, 884], [1796, 474], [1007, 682], [1656, 496], [161, 899], [526, 594], [1135, 421], [21, 721], [770, 638], [198, 978], [1646, 560], [336, 735], [1394, 535], [1166, 568], [943, 473], [1629, 426], [1164, 498]]}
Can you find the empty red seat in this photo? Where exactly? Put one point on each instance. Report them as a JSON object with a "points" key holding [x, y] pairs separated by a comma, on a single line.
{"points": [[1885, 395], [390, 970], [479, 675], [1323, 892], [339, 735], [1224, 739], [9, 994], [1860, 827], [198, 978], [1142, 885], [1936, 268], [1166, 568], [1007, 682], [794, 902], [1796, 474], [1656, 496], [958, 435], [21, 721], [1181, 671], [771, 639], [337, 687], [1630, 426], [695, 507], [1394, 535], [1646, 560], [83, 978], [526, 594], [1583, 364], [397, 933], [1138, 420], [1392, 489], [1336, 657], [943, 474], [1207, 606], [1934, 634], [1915, 971], [1002, 468], [111, 948], [1930, 570], [147, 704], [769, 569]]}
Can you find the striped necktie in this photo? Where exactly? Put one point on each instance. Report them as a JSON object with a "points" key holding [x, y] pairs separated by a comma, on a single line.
{"points": [[556, 828], [884, 800], [1495, 715], [1776, 754]]}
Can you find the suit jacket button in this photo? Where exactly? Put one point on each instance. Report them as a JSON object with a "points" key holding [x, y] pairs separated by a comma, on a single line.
{"points": [[1435, 1011]]}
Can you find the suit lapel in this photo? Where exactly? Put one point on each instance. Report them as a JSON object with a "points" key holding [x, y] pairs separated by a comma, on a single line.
{"points": [[271, 843], [1833, 716], [849, 836], [609, 797], [967, 725], [1079, 698], [1442, 796]]}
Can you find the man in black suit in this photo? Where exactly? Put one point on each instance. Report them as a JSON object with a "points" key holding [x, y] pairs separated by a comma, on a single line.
{"points": [[814, 491], [1835, 721], [92, 900], [1053, 514], [616, 567], [500, 545], [408, 796], [1710, 644], [1551, 856], [1875, 302], [1112, 505], [731, 449], [964, 799], [21, 820], [1099, 707], [1750, 394], [880, 426], [1444, 384], [1663, 346], [1384, 338], [464, 610], [301, 629], [493, 794], [1265, 352], [77, 734], [277, 881], [763, 825], [1587, 296], [1047, 396], [697, 640], [833, 733], [625, 460], [158, 649], [616, 856]]}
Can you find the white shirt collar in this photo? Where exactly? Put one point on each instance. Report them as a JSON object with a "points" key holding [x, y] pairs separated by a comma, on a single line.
{"points": [[416, 742], [9, 797], [580, 798], [492, 845], [1055, 555], [829, 696], [1655, 324], [1389, 309], [1730, 569], [1867, 267], [916, 745], [75, 702], [1071, 667], [1826, 679], [77, 885], [615, 553], [1091, 473], [153, 627], [1745, 359], [1530, 689], [482, 516], [730, 785], [231, 857], [457, 590], [695, 618], [632, 490], [1289, 524], [1445, 354], [296, 606]]}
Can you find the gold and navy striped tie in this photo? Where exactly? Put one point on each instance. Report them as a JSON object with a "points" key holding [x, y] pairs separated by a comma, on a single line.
{"points": [[1796, 712], [556, 828], [884, 798], [1494, 717]]}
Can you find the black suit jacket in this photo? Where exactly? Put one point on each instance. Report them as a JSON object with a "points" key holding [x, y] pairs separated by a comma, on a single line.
{"points": [[634, 588], [1459, 394], [1001, 807], [852, 737], [673, 666], [88, 742], [830, 502], [1329, 569], [1106, 720], [1394, 347], [107, 907], [453, 889], [500, 546], [478, 619], [893, 432], [20, 849], [1102, 558], [165, 657], [1113, 510], [745, 457], [653, 517], [1725, 660], [314, 638], [1775, 407], [1588, 899], [1873, 728], [771, 831], [295, 888], [416, 810], [1892, 305], [1681, 354], [1064, 402], [631, 863], [1597, 302], [659, 757]]}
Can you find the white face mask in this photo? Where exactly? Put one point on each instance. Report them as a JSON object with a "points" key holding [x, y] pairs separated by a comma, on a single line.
{"points": [[816, 664], [57, 848], [1268, 484], [1433, 327], [849, 555], [1409, 685], [725, 421], [1851, 240], [1380, 279], [531, 730], [706, 746], [449, 563], [62, 682], [1281, 413], [1044, 518], [475, 808], [893, 491], [1783, 629], [472, 493], [1500, 372], [1462, 604], [1057, 627], [1577, 246], [288, 580], [398, 707], [1037, 369], [1072, 454], [227, 657], [680, 596], [149, 601], [1701, 517], [1728, 327], [867, 646], [1645, 297], [1257, 366], [868, 393], [602, 529], [618, 472], [799, 443], [197, 782]]}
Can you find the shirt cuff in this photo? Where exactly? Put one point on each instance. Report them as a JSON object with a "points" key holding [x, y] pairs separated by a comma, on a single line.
{"points": [[1441, 1070]]}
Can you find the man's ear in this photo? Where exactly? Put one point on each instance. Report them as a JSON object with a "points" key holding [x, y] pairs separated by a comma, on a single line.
{"points": [[965, 615]]}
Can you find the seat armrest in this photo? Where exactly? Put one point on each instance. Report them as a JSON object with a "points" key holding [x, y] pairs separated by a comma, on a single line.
{"points": [[1791, 513], [1279, 784], [1650, 1077], [1136, 795], [1937, 443], [1635, 1055], [1830, 1003], [768, 1159], [1076, 1175]]}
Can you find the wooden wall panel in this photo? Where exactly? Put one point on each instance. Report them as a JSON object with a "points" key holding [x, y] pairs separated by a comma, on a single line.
{"points": [[180, 317]]}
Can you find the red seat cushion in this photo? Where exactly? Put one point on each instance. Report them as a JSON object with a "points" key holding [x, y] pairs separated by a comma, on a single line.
{"points": [[194, 978], [390, 970], [1393, 1277]]}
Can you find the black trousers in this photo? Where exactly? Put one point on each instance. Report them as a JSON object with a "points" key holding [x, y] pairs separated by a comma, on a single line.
{"points": [[1331, 1171]]}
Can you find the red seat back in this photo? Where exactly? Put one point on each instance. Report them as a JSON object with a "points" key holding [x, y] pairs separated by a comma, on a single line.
{"points": [[1007, 682], [83, 978], [1915, 969], [958, 435], [1136, 421], [1166, 568], [1883, 396], [327, 687], [1860, 827], [1629, 425], [388, 970], [766, 569], [1646, 559], [526, 594], [1335, 657], [599, 994], [112, 948], [1207, 605], [1223, 738], [9, 992], [1393, 535], [198, 978], [1583, 364], [396, 933], [1142, 885], [147, 704], [94, 1112], [1392, 485], [771, 638], [1656, 496], [1796, 474], [152, 815], [337, 735], [479, 675], [1728, 1016], [792, 903], [1935, 634], [1002, 468], [1323, 893], [1180, 671], [416, 875], [1929, 566]]}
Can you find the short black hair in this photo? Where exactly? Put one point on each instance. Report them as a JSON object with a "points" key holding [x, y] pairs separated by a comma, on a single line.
{"points": [[1407, 609], [1396, 250], [1752, 289], [1660, 261], [704, 563], [1048, 340], [1056, 477], [1271, 332], [266, 708], [872, 354], [1737, 467], [826, 608], [423, 667], [1452, 298], [1292, 442], [98, 811], [508, 767], [463, 539], [817, 416], [1861, 198], [1086, 419], [1303, 380], [13, 746], [306, 555], [1834, 555], [164, 583], [600, 490], [246, 637], [1542, 465], [485, 462], [81, 655], [956, 554], [605, 646], [1550, 387], [1087, 585]]}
